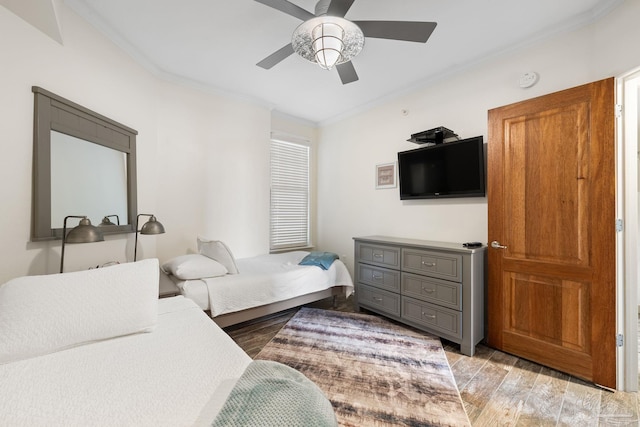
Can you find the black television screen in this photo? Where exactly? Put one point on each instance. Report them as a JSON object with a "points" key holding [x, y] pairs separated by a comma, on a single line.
{"points": [[450, 169]]}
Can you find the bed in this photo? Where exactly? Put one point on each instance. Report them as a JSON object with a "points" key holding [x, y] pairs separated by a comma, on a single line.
{"points": [[99, 348], [259, 285]]}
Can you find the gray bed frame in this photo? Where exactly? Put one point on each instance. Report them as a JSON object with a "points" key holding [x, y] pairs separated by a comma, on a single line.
{"points": [[229, 319], [169, 283]]}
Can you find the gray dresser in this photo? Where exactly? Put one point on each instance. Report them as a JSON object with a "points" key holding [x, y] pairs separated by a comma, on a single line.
{"points": [[437, 287]]}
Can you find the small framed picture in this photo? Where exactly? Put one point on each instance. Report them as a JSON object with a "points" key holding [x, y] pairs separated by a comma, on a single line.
{"points": [[386, 175]]}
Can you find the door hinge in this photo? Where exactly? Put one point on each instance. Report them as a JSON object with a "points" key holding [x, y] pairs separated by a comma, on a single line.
{"points": [[619, 225], [618, 111], [620, 340]]}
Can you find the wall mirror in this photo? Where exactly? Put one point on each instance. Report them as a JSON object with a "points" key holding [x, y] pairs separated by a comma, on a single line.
{"points": [[83, 164]]}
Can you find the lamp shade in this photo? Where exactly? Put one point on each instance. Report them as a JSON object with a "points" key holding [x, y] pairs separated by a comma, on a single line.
{"points": [[153, 226], [327, 44], [84, 232], [106, 221]]}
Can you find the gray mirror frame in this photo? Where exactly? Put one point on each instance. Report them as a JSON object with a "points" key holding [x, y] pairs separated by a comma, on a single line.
{"points": [[52, 112]]}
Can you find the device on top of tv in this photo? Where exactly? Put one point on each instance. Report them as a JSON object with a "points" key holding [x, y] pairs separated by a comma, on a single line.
{"points": [[434, 136]]}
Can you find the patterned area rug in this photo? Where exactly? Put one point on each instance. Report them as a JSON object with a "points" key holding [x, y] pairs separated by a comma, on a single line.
{"points": [[374, 372]]}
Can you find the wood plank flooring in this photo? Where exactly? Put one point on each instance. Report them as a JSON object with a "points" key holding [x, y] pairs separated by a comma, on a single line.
{"points": [[497, 389]]}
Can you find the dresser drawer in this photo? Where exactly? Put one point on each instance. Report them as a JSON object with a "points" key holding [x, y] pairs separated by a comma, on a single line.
{"points": [[441, 292], [440, 319], [384, 256], [434, 264], [379, 277], [378, 299]]}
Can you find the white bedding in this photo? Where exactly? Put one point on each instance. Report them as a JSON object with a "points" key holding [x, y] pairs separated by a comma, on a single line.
{"points": [[47, 313], [185, 367], [264, 279]]}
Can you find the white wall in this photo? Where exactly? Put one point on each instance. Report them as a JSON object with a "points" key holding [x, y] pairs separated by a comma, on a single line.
{"points": [[213, 172], [348, 203], [203, 158], [185, 142]]}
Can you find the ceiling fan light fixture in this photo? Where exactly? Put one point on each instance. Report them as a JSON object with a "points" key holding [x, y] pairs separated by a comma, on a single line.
{"points": [[327, 40], [327, 44]]}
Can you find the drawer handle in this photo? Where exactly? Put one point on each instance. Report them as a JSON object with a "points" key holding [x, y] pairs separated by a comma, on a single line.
{"points": [[427, 290], [377, 277], [377, 255], [377, 299], [429, 316], [428, 264]]}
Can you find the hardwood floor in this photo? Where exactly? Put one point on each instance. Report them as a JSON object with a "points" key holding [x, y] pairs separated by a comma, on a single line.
{"points": [[497, 389]]}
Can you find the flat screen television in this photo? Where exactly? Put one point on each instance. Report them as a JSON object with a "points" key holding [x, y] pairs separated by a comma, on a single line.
{"points": [[450, 169]]}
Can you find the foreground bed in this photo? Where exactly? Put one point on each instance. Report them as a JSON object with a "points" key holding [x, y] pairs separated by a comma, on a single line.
{"points": [[168, 364], [265, 284]]}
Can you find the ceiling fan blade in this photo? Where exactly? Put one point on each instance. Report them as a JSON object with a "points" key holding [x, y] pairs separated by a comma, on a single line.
{"points": [[276, 57], [347, 72], [339, 7], [288, 8], [410, 31]]}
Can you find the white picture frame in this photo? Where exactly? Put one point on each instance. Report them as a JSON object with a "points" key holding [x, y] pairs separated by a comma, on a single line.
{"points": [[386, 175]]}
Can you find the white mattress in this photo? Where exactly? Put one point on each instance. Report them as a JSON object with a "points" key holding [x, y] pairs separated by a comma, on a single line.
{"points": [[168, 377], [264, 279], [196, 290]]}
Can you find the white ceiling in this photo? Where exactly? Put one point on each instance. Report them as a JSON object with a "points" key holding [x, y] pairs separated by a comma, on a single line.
{"points": [[216, 44]]}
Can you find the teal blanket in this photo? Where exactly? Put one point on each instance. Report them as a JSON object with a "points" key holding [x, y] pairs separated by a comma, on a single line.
{"points": [[320, 259], [272, 394]]}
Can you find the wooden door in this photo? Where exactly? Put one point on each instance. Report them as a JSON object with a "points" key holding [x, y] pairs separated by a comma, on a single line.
{"points": [[551, 191]]}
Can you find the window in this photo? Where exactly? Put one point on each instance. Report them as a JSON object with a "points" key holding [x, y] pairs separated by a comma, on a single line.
{"points": [[289, 195]]}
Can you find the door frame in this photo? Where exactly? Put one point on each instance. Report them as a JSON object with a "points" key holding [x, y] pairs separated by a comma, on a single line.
{"points": [[627, 87]]}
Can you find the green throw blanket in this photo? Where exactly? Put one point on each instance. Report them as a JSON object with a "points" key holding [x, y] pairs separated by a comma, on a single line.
{"points": [[272, 394]]}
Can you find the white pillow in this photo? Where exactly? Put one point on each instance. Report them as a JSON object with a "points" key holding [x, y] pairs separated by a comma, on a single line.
{"points": [[194, 266], [45, 314], [217, 250]]}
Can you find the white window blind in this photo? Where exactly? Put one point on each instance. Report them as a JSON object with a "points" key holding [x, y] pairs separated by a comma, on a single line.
{"points": [[289, 195]]}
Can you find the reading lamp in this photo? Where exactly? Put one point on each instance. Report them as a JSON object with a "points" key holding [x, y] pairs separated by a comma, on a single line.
{"points": [[107, 221], [152, 226], [84, 232]]}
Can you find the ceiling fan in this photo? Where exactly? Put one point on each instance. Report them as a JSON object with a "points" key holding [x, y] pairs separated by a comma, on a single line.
{"points": [[328, 39]]}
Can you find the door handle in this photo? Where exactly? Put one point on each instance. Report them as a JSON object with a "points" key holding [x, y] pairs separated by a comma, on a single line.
{"points": [[495, 244]]}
